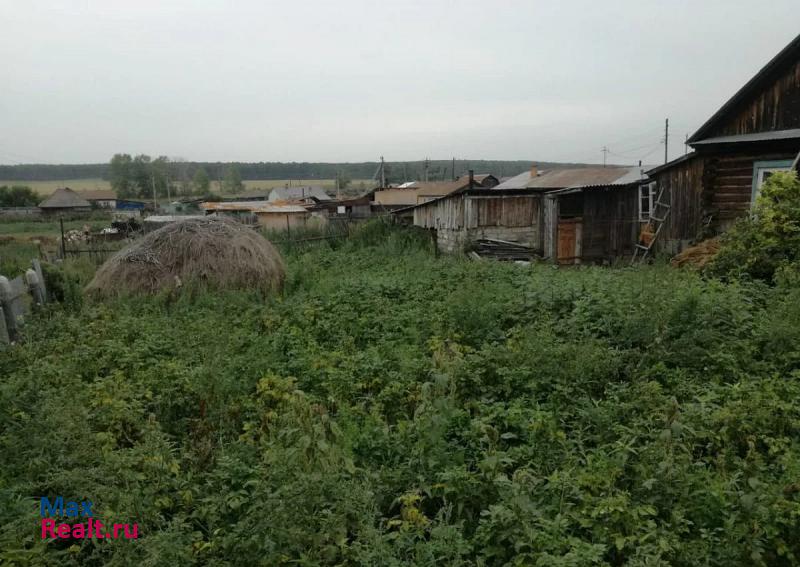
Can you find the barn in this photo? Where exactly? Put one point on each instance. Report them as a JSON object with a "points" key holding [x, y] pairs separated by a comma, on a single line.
{"points": [[754, 134]]}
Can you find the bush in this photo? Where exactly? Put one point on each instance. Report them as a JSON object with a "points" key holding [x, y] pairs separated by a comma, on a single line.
{"points": [[768, 240]]}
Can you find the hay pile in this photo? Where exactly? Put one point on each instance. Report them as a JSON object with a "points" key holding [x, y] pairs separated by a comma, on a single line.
{"points": [[212, 252], [697, 256]]}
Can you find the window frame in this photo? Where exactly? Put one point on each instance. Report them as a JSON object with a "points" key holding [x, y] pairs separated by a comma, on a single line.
{"points": [[651, 195], [761, 167]]}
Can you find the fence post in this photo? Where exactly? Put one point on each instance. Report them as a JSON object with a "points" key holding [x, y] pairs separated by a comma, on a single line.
{"points": [[63, 242], [4, 338], [37, 267], [5, 305], [33, 286]]}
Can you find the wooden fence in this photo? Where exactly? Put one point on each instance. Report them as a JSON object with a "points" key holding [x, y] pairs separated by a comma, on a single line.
{"points": [[17, 297]]}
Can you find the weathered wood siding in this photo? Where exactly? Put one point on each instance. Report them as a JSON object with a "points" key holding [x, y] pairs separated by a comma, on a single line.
{"points": [[707, 192], [462, 218], [683, 188], [507, 211], [610, 222], [776, 107], [442, 214]]}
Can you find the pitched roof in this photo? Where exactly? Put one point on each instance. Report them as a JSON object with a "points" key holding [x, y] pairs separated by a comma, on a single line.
{"points": [[517, 182], [232, 205], [586, 177], [772, 135], [788, 56], [295, 193], [64, 198], [439, 188], [98, 194]]}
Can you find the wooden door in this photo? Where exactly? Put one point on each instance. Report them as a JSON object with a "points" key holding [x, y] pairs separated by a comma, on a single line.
{"points": [[569, 241]]}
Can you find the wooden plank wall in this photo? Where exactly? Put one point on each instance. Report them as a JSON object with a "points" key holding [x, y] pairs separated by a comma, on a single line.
{"points": [[683, 188], [442, 214], [506, 211], [610, 222], [730, 182], [776, 107]]}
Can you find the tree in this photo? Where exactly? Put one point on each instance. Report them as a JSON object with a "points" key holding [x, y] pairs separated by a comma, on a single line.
{"points": [[121, 176], [18, 196], [232, 182], [201, 182], [342, 180]]}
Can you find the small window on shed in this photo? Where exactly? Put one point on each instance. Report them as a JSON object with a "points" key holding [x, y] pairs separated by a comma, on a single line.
{"points": [[647, 196]]}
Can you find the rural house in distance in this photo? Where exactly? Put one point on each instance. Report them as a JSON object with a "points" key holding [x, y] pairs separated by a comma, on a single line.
{"points": [[65, 200]]}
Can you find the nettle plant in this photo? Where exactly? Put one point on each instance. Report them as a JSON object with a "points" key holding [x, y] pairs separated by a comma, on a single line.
{"points": [[766, 244]]}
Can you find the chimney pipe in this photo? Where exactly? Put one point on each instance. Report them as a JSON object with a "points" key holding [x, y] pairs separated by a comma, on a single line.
{"points": [[471, 179], [534, 171]]}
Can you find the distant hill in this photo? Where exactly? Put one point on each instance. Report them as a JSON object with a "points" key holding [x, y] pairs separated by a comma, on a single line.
{"points": [[396, 171]]}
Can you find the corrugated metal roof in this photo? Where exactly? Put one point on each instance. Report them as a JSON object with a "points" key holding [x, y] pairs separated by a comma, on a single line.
{"points": [[517, 182], [231, 205], [294, 193], [283, 209], [586, 177], [440, 188], [64, 198], [755, 137]]}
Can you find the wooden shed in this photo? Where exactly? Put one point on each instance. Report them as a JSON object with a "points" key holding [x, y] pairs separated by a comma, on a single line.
{"points": [[472, 214], [754, 134], [594, 217]]}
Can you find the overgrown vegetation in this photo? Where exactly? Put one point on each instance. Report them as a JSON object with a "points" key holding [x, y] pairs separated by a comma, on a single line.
{"points": [[765, 244], [393, 408], [18, 196]]}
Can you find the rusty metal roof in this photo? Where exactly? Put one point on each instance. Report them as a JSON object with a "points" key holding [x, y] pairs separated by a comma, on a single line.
{"points": [[440, 188], [586, 177]]}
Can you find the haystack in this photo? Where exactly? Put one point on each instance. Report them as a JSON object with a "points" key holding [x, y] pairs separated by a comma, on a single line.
{"points": [[212, 252], [697, 256]]}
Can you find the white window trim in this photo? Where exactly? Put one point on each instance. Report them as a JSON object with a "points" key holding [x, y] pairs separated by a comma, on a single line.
{"points": [[651, 198], [762, 167]]}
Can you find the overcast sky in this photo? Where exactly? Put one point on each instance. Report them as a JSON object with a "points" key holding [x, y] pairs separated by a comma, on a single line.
{"points": [[350, 80]]}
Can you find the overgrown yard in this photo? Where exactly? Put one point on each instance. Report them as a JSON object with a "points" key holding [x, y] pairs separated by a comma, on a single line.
{"points": [[394, 408]]}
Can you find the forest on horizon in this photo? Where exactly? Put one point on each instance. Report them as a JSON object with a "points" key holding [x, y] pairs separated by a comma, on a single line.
{"points": [[438, 170]]}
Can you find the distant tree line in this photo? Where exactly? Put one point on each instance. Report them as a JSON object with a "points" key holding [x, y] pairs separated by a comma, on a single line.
{"points": [[181, 172]]}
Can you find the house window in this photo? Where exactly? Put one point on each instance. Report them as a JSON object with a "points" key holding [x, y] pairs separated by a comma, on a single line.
{"points": [[762, 170], [647, 197]]}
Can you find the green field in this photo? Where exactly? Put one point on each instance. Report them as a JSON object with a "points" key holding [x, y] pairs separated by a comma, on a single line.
{"points": [[392, 407], [47, 187]]}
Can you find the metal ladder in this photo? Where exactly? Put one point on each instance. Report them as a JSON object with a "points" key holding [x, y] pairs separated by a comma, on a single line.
{"points": [[658, 217]]}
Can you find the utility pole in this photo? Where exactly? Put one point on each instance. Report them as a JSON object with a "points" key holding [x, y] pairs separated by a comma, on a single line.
{"points": [[383, 173], [666, 141], [427, 164], [605, 154], [454, 168], [153, 183]]}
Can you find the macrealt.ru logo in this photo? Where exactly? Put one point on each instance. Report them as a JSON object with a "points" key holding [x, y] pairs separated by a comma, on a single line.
{"points": [[90, 529]]}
